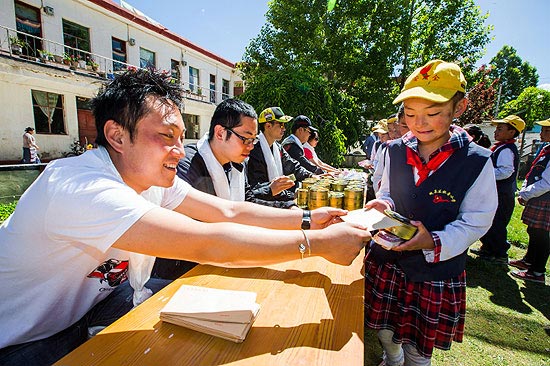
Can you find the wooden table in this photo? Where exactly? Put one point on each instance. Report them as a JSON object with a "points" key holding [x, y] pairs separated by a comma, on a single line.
{"points": [[311, 314]]}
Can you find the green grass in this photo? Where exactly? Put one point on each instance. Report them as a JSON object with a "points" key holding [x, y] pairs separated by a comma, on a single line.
{"points": [[505, 317], [6, 209]]}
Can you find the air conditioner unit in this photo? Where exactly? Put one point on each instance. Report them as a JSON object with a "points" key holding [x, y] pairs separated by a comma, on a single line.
{"points": [[48, 10]]}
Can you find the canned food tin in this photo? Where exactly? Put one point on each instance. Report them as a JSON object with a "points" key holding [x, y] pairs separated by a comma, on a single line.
{"points": [[318, 197], [338, 186], [336, 199], [301, 197], [353, 198], [308, 182]]}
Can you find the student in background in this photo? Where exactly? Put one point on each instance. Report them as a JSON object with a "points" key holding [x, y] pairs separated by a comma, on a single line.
{"points": [[302, 128], [535, 196], [270, 163], [311, 155], [505, 158], [415, 294]]}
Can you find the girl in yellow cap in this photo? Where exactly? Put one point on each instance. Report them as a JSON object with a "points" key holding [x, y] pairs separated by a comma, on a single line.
{"points": [[415, 293]]}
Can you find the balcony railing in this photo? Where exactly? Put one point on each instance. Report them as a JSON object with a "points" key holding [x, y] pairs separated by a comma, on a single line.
{"points": [[22, 45]]}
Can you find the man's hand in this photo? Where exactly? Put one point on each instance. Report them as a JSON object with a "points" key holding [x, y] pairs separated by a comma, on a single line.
{"points": [[421, 240], [340, 243], [326, 216], [279, 184]]}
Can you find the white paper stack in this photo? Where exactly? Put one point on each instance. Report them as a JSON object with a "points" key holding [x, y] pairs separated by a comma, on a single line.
{"points": [[226, 314]]}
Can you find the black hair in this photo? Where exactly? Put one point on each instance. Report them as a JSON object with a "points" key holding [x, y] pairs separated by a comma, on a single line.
{"points": [[313, 135], [478, 136], [457, 97], [516, 131], [125, 99], [229, 113]]}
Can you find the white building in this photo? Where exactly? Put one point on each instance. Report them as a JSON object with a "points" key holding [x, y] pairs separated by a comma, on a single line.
{"points": [[40, 87]]}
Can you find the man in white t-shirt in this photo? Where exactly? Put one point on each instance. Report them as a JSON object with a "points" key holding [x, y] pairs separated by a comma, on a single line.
{"points": [[65, 251]]}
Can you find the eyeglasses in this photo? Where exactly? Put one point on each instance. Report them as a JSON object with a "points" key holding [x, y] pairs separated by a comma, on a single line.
{"points": [[245, 140]]}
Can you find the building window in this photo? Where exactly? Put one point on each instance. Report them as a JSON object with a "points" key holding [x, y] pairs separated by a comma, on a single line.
{"points": [[119, 54], [76, 36], [193, 79], [192, 127], [212, 88], [27, 19], [146, 59], [175, 71], [48, 112], [225, 89]]}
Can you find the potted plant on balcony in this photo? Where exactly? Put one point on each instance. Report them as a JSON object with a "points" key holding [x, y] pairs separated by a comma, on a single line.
{"points": [[70, 60], [58, 59], [17, 45], [45, 55]]}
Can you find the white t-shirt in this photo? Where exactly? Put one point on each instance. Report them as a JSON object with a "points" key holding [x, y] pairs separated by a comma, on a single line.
{"points": [[56, 260]]}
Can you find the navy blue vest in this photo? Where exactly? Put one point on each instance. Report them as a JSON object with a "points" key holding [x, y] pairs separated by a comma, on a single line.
{"points": [[435, 202], [508, 185], [535, 174]]}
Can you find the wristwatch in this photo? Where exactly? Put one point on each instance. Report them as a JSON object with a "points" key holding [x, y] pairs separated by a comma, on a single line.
{"points": [[306, 219]]}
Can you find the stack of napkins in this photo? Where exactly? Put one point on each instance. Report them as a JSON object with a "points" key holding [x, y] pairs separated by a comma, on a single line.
{"points": [[222, 313]]}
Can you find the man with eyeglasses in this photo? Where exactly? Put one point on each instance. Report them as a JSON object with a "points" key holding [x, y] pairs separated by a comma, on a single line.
{"points": [[293, 144], [215, 165], [270, 163]]}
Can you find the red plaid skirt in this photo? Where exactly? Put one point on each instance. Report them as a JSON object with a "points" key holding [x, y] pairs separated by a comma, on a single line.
{"points": [[537, 214], [423, 314]]}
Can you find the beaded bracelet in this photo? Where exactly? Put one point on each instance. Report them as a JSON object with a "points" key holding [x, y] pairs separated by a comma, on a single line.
{"points": [[302, 247]]}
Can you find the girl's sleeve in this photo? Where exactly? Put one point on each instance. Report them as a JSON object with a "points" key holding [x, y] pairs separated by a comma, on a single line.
{"points": [[474, 219]]}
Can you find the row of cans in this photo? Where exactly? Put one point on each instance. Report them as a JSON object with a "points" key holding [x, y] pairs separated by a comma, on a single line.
{"points": [[339, 193]]}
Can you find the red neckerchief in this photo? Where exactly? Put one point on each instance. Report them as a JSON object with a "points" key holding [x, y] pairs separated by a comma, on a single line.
{"points": [[425, 169], [500, 143], [543, 152]]}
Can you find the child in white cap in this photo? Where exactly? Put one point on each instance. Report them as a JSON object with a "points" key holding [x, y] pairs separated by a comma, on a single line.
{"points": [[415, 293]]}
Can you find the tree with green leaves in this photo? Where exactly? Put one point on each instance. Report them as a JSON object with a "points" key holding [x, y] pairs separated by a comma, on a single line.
{"points": [[513, 73], [356, 51], [533, 104]]}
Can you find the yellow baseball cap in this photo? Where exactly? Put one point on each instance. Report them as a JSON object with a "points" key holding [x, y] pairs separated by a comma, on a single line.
{"points": [[512, 120], [437, 81], [545, 123], [392, 120], [273, 114], [381, 126]]}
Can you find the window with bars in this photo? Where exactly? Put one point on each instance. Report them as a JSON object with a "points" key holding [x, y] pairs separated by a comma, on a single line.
{"points": [[193, 79], [27, 20], [119, 54], [48, 112], [192, 127], [225, 89], [212, 88], [175, 70], [76, 36], [146, 58]]}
